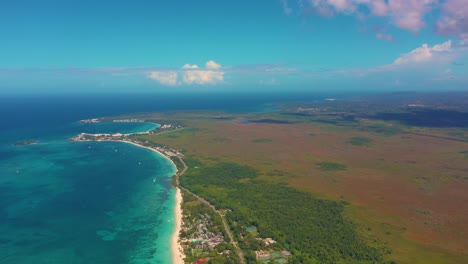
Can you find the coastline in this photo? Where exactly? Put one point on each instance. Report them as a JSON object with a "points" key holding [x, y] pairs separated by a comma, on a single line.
{"points": [[150, 148], [176, 249]]}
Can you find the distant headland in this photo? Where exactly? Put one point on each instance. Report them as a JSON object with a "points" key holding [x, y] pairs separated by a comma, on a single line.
{"points": [[25, 142], [99, 120]]}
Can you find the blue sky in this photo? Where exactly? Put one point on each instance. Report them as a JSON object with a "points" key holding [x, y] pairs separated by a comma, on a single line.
{"points": [[71, 45]]}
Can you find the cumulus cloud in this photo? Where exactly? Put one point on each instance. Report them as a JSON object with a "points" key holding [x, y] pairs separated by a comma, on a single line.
{"points": [[425, 53], [423, 59], [190, 74], [202, 77], [377, 7], [454, 20], [409, 14], [189, 66], [212, 65], [211, 75], [452, 15], [340, 5], [164, 77]]}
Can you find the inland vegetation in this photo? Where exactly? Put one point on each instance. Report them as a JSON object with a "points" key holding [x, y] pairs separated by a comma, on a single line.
{"points": [[325, 182], [330, 166], [360, 141], [320, 235]]}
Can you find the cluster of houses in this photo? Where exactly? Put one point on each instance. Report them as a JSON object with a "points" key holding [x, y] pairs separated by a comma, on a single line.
{"points": [[312, 109], [269, 256], [90, 121], [273, 256], [267, 241], [162, 128], [97, 137], [98, 120], [127, 120], [202, 238], [167, 151], [209, 240], [168, 127], [122, 137]]}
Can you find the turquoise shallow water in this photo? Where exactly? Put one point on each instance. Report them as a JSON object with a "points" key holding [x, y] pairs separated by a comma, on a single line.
{"points": [[85, 202], [106, 202]]}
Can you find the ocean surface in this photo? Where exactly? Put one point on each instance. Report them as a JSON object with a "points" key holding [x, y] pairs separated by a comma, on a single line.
{"points": [[90, 202]]}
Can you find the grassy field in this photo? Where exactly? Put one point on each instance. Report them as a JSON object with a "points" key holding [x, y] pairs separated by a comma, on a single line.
{"points": [[406, 186]]}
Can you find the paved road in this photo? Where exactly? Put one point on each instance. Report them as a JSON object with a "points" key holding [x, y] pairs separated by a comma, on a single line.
{"points": [[226, 226], [178, 174]]}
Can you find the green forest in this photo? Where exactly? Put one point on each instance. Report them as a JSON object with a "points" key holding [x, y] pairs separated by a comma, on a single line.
{"points": [[194, 211], [313, 229]]}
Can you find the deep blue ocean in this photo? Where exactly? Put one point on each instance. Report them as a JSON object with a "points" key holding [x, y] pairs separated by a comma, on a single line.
{"points": [[91, 202]]}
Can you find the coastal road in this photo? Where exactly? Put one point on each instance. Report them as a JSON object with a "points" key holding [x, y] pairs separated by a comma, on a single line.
{"points": [[226, 226], [98, 137]]}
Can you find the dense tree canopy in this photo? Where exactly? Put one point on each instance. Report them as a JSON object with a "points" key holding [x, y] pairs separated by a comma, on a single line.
{"points": [[313, 229]]}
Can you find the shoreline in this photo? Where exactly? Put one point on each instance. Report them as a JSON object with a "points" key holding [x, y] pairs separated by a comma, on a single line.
{"points": [[176, 248], [150, 148]]}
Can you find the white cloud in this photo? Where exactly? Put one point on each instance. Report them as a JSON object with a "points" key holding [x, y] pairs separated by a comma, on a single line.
{"points": [[212, 65], [424, 53], [446, 46], [454, 20], [406, 14], [189, 66], [190, 74], [164, 77], [202, 77], [194, 75], [342, 5], [409, 14], [378, 7]]}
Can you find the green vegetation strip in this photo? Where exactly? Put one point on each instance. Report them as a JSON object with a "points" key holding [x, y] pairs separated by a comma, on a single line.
{"points": [[313, 229], [331, 166], [360, 141]]}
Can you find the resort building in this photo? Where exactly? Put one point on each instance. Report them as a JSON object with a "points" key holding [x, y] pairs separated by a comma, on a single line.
{"points": [[262, 255]]}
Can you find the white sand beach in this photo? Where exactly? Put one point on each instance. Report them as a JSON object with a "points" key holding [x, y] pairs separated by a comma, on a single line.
{"points": [[150, 148], [177, 250]]}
